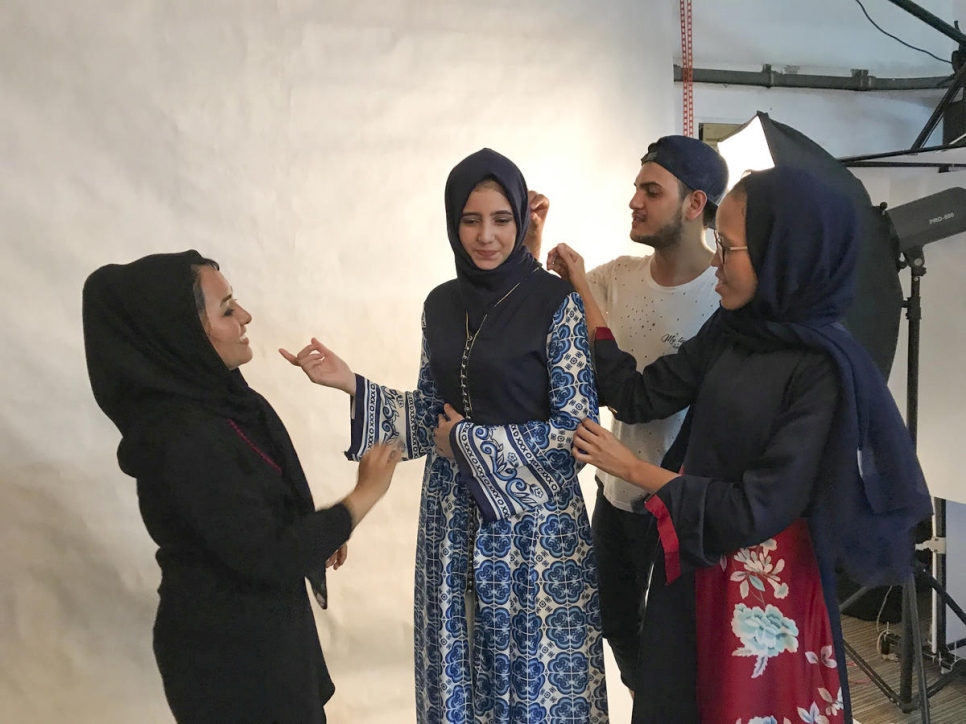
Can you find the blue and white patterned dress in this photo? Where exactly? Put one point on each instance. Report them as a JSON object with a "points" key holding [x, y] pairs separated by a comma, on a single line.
{"points": [[503, 535]]}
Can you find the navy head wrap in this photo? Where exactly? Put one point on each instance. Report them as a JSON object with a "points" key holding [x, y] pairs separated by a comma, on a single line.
{"points": [[802, 239], [481, 288]]}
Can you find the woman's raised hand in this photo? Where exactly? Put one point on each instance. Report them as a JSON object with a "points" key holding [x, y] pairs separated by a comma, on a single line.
{"points": [[568, 264], [375, 474], [598, 446], [323, 366]]}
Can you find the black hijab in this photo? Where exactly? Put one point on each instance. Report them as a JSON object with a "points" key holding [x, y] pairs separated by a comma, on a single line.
{"points": [[803, 243], [148, 356], [146, 345], [481, 288]]}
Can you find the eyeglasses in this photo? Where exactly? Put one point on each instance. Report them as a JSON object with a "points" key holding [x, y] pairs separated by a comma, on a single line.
{"points": [[723, 250]]}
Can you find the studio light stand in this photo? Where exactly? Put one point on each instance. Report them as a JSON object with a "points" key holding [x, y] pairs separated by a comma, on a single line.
{"points": [[913, 226]]}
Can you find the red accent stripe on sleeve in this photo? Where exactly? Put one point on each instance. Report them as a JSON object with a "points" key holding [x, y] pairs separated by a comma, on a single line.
{"points": [[669, 537], [603, 333]]}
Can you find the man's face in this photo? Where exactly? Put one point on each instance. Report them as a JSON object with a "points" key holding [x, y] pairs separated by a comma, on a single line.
{"points": [[657, 209]]}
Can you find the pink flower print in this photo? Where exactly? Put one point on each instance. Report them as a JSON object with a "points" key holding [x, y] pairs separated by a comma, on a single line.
{"points": [[835, 704], [812, 715]]}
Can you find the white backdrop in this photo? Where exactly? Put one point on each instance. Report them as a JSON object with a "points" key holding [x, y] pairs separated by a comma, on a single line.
{"points": [[304, 145]]}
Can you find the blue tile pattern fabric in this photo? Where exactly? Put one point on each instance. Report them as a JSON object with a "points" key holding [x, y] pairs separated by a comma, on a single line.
{"points": [[507, 618]]}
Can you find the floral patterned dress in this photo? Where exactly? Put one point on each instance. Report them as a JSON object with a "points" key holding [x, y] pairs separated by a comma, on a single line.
{"points": [[507, 617], [741, 621], [764, 641]]}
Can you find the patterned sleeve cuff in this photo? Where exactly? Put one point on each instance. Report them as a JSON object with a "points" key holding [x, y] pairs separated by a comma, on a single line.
{"points": [[499, 493], [487, 511], [669, 537], [357, 405]]}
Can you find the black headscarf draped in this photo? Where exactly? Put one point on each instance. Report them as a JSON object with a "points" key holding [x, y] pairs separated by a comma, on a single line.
{"points": [[802, 238], [481, 288], [148, 359], [145, 343]]}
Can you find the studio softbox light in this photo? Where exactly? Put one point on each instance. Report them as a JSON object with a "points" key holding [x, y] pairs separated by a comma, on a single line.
{"points": [[873, 318]]}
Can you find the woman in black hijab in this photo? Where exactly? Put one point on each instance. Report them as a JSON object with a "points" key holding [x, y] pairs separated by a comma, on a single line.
{"points": [[507, 619], [221, 492], [793, 461]]}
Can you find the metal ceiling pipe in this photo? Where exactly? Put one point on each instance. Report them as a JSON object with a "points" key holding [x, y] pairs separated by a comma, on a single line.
{"points": [[931, 20], [860, 80]]}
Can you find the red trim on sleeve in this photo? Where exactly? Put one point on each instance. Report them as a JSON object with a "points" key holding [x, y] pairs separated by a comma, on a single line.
{"points": [[603, 333], [669, 537]]}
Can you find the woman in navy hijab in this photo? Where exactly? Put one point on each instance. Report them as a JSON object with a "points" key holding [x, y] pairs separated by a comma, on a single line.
{"points": [[794, 461], [507, 620]]}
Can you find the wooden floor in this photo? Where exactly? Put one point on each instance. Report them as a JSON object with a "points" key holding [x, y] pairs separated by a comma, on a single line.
{"points": [[871, 706]]}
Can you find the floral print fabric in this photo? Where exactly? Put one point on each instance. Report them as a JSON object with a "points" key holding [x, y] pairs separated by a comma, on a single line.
{"points": [[765, 646]]}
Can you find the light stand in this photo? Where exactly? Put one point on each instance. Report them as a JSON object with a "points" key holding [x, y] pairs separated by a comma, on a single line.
{"points": [[911, 655], [914, 225], [959, 77], [873, 319]]}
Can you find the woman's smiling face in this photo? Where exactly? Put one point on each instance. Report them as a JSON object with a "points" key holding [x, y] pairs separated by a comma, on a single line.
{"points": [[224, 319], [737, 280], [487, 228]]}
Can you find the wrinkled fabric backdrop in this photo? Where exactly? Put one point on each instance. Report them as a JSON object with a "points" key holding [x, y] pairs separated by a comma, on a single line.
{"points": [[304, 145]]}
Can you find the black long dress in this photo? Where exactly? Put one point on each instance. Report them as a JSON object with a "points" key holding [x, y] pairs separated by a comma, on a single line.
{"points": [[222, 493], [234, 638], [759, 425]]}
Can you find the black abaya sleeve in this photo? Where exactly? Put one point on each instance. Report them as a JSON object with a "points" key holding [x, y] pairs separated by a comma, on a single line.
{"points": [[667, 385], [241, 509], [711, 515]]}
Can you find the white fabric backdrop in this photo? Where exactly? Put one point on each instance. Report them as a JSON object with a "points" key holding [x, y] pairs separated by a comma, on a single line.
{"points": [[304, 145]]}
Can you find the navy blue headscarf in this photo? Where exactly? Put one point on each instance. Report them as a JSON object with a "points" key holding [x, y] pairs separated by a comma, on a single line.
{"points": [[802, 239], [481, 288]]}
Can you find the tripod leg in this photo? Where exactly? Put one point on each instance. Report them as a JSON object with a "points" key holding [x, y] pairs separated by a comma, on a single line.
{"points": [[912, 651]]}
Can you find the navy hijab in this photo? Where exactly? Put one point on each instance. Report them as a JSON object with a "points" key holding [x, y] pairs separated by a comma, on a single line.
{"points": [[482, 288], [803, 243]]}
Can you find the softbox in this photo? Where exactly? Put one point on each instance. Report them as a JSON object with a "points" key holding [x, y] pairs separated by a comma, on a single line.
{"points": [[874, 316]]}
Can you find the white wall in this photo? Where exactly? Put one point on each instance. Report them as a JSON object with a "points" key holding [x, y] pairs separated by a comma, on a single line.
{"points": [[830, 36], [942, 383], [304, 145], [822, 37]]}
